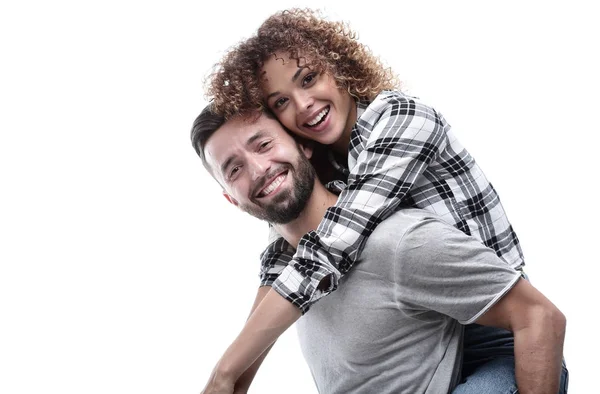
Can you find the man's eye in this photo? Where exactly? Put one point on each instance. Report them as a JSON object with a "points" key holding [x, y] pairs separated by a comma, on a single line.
{"points": [[233, 171], [264, 145], [309, 79]]}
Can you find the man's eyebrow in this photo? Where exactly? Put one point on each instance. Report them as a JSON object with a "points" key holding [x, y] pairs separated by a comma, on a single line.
{"points": [[259, 134], [294, 78], [227, 163]]}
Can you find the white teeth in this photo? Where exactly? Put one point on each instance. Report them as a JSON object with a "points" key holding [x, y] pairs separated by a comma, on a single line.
{"points": [[318, 118], [276, 182]]}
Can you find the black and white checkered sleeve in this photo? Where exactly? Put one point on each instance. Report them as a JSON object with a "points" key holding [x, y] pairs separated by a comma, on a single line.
{"points": [[274, 259], [396, 141]]}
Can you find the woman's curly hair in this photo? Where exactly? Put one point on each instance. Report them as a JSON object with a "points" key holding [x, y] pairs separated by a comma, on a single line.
{"points": [[326, 46]]}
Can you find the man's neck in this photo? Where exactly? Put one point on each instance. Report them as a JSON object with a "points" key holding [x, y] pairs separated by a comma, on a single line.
{"points": [[310, 217]]}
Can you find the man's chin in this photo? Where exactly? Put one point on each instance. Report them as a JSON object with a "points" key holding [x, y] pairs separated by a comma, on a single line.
{"points": [[276, 213], [287, 204]]}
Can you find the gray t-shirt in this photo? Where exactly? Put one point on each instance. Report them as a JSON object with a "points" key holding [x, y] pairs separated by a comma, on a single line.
{"points": [[394, 325]]}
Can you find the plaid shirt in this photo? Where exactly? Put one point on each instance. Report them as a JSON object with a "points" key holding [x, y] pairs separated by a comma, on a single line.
{"points": [[401, 152]]}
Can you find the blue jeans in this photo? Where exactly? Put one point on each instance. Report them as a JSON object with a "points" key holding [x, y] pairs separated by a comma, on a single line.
{"points": [[489, 363]]}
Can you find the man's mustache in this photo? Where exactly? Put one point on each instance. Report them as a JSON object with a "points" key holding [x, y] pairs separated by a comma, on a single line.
{"points": [[268, 177]]}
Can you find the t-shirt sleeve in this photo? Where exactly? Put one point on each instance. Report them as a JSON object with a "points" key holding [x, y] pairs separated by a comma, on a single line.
{"points": [[442, 269]]}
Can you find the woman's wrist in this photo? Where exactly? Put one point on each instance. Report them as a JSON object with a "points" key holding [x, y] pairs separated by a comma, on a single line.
{"points": [[223, 373]]}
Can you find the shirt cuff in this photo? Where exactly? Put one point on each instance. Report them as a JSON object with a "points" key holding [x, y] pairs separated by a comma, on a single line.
{"points": [[302, 289]]}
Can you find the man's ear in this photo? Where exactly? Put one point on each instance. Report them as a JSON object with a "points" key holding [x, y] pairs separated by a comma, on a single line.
{"points": [[307, 146], [230, 199]]}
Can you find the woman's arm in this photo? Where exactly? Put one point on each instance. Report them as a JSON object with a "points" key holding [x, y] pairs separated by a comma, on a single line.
{"points": [[273, 260], [396, 140], [270, 319], [245, 380]]}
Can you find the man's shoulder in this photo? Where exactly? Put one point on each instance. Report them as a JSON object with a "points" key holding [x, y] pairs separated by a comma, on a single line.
{"points": [[409, 217], [405, 222], [406, 237]]}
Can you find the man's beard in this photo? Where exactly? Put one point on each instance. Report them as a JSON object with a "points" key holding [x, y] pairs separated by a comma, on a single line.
{"points": [[289, 204]]}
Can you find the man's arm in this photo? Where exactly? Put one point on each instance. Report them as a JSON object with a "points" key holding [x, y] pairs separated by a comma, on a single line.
{"points": [[444, 270], [539, 331]]}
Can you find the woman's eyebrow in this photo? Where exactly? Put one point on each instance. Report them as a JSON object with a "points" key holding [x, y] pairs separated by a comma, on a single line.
{"points": [[297, 73], [294, 78]]}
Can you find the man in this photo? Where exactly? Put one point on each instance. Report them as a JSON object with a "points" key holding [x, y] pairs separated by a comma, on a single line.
{"points": [[394, 325]]}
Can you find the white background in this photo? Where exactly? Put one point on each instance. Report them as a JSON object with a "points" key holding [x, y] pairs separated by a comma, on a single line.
{"points": [[123, 270]]}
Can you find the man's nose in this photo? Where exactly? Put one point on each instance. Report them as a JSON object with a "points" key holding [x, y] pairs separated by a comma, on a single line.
{"points": [[259, 166]]}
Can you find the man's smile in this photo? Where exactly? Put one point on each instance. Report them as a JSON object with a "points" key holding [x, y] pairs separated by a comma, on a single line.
{"points": [[272, 185]]}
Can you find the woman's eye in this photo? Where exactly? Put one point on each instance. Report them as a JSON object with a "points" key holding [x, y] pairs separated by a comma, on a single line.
{"points": [[308, 79], [279, 102]]}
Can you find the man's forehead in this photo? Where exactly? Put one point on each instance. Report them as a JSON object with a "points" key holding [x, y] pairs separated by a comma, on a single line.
{"points": [[239, 133], [245, 130]]}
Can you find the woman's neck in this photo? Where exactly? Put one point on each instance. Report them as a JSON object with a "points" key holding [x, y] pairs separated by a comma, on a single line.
{"points": [[341, 145]]}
